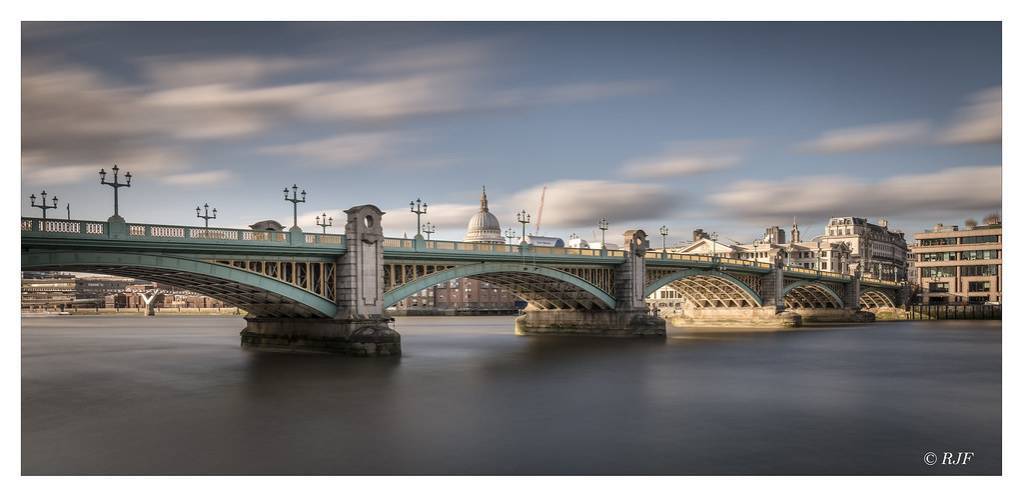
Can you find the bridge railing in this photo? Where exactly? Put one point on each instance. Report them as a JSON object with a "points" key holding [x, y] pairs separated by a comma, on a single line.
{"points": [[880, 282], [65, 226], [167, 232], [496, 248], [818, 273], [670, 256]]}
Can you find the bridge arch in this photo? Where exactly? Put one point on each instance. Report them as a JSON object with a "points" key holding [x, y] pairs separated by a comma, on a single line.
{"points": [[708, 288], [872, 299], [541, 286], [256, 294], [809, 294]]}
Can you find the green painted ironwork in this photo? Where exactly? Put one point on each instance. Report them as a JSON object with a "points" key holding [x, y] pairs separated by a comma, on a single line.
{"points": [[676, 276], [824, 288], [419, 284], [96, 261]]}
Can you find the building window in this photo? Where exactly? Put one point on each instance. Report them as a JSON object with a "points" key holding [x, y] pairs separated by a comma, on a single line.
{"points": [[980, 239], [979, 270], [938, 256], [937, 241], [977, 300], [938, 287], [980, 286], [972, 255], [937, 272]]}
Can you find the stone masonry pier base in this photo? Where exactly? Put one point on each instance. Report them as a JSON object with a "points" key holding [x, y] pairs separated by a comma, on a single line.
{"points": [[356, 337], [835, 316], [595, 323], [755, 317]]}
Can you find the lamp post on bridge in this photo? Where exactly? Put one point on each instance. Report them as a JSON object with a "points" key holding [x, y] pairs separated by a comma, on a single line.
{"points": [[664, 240], [429, 229], [714, 245], [116, 185], [523, 219], [68, 211], [418, 208], [327, 221], [205, 216], [510, 235], [294, 202], [44, 206], [602, 225]]}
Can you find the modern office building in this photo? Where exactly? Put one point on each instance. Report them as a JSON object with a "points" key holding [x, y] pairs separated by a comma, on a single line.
{"points": [[955, 265]]}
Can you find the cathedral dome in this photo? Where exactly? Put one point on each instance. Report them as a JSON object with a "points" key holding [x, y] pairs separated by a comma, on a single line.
{"points": [[484, 226]]}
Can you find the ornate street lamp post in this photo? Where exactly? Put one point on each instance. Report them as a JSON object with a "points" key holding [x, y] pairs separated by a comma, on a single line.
{"points": [[294, 202], [116, 185], [44, 206], [714, 245], [602, 225], [429, 229], [418, 208], [523, 219], [510, 235], [327, 221], [68, 211], [664, 239], [205, 214]]}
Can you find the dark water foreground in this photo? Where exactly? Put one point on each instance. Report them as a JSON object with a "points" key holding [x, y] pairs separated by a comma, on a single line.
{"points": [[127, 395]]}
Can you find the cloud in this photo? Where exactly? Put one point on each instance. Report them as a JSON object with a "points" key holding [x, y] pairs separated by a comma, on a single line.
{"points": [[687, 158], [579, 203], [947, 190], [980, 121], [206, 178], [74, 115], [342, 150], [866, 138]]}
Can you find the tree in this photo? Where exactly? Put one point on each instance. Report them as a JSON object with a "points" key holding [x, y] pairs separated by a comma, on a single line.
{"points": [[993, 218], [971, 223]]}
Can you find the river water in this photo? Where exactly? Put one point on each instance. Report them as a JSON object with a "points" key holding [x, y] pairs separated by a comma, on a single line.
{"points": [[176, 395]]}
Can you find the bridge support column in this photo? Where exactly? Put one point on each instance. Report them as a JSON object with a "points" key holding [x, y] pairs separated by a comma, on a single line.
{"points": [[360, 326], [629, 318]]}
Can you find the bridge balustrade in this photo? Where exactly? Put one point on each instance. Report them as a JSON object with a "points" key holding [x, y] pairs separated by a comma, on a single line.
{"points": [[165, 232]]}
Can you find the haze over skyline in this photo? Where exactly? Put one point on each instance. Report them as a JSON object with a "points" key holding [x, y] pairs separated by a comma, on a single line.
{"points": [[722, 126]]}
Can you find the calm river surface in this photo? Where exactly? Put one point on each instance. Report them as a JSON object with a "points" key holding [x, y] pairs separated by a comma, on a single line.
{"points": [[176, 395]]}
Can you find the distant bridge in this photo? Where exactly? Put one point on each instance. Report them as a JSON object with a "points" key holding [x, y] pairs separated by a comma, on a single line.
{"points": [[350, 280]]}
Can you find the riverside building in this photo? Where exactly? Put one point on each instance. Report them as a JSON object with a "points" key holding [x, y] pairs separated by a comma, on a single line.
{"points": [[956, 265]]}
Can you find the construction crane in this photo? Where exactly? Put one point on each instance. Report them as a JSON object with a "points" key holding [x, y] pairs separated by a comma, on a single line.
{"points": [[539, 212]]}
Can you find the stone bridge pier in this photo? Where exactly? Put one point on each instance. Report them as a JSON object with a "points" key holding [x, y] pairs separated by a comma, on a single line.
{"points": [[628, 318], [360, 326]]}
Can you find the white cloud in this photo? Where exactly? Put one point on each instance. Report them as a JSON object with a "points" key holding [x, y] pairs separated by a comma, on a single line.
{"points": [[342, 150], [75, 115], [581, 203], [869, 137], [206, 178], [688, 158], [980, 121], [947, 190]]}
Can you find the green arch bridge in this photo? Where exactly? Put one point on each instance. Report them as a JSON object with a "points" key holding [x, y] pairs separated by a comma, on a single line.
{"points": [[331, 292]]}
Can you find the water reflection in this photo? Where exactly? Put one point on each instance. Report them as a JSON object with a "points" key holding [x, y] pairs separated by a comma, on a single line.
{"points": [[121, 395]]}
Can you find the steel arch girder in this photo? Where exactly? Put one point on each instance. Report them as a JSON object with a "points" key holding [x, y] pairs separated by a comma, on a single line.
{"points": [[288, 293], [839, 302], [409, 289], [679, 275]]}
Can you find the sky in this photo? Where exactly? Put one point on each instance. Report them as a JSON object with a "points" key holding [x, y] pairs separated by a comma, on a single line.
{"points": [[727, 126]]}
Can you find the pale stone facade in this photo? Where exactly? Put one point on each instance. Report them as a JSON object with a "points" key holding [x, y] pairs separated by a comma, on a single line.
{"points": [[875, 250]]}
